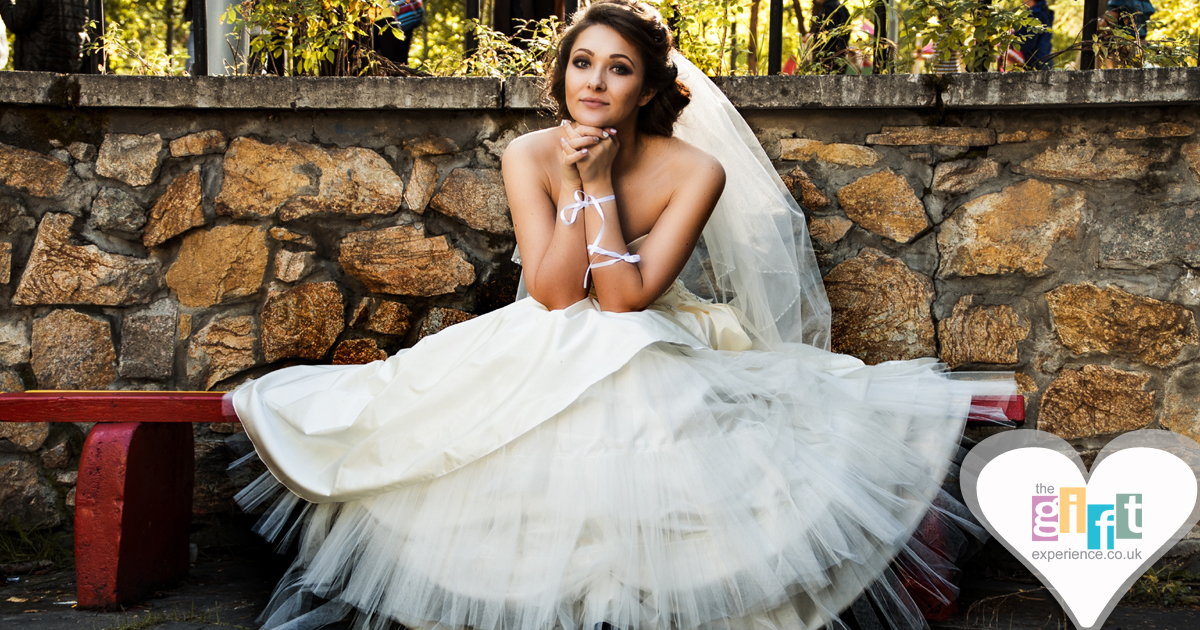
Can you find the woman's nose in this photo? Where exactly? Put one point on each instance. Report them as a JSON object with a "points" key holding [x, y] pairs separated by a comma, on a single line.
{"points": [[596, 81]]}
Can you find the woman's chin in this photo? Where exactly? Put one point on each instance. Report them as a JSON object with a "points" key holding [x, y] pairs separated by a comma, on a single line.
{"points": [[593, 119]]}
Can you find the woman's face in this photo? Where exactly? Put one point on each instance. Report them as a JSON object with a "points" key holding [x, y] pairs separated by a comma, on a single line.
{"points": [[604, 78]]}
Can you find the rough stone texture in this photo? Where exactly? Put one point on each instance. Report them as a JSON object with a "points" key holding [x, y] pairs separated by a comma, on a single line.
{"points": [[32, 172], [885, 204], [61, 273], [130, 158], [389, 318], [1191, 154], [14, 343], [1032, 135], [82, 151], [439, 319], [946, 136], [221, 349], [5, 263], [1013, 230], [73, 351], [1154, 235], [1097, 400], [1086, 161], [880, 309], [475, 197], [26, 496], [292, 266], [178, 210], [185, 326], [1158, 130], [357, 352], [836, 153], [298, 179], [981, 334], [962, 176], [116, 210], [303, 321], [420, 185], [214, 486], [57, 456], [804, 190], [219, 265], [148, 342], [284, 235], [829, 230], [1181, 405], [10, 382], [23, 437], [200, 143], [1111, 321], [431, 145], [401, 261]]}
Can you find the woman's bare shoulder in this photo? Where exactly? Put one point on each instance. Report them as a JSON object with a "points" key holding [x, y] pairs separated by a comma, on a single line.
{"points": [[689, 163], [535, 145]]}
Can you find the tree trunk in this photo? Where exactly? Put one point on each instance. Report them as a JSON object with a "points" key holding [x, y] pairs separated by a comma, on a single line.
{"points": [[752, 55]]}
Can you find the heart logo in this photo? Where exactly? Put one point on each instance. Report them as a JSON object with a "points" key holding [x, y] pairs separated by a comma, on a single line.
{"points": [[1086, 535]]}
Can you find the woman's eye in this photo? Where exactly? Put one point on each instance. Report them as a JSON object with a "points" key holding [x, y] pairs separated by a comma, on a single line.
{"points": [[580, 63], [620, 69]]}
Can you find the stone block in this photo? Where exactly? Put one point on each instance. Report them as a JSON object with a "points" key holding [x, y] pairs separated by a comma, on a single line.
{"points": [[1111, 321], [23, 437], [218, 265], [1089, 162], [439, 319], [14, 342], [148, 342], [475, 197], [130, 158], [1157, 130], [26, 496], [116, 211], [1156, 235], [963, 176], [1097, 400], [292, 266], [401, 261], [220, 350], [59, 272], [284, 235], [829, 230], [1191, 155], [5, 263], [303, 321], [946, 136], [58, 456], [421, 183], [851, 155], [876, 325], [33, 173], [10, 381], [71, 350], [297, 180], [357, 352], [82, 151], [178, 210], [1011, 231], [981, 334], [804, 190], [200, 143], [885, 204], [431, 145]]}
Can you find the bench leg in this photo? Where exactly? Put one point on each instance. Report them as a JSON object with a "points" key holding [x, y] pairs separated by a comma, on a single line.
{"points": [[133, 511]]}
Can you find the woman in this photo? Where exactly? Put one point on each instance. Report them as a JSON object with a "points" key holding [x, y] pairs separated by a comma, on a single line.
{"points": [[613, 448]]}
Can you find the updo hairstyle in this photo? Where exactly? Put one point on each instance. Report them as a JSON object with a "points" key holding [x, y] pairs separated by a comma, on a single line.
{"points": [[641, 25]]}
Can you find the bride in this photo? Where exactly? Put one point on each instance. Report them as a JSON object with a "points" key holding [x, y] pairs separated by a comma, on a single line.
{"points": [[613, 448]]}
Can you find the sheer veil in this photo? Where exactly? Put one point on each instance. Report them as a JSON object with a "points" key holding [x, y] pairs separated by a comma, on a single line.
{"points": [[755, 253]]}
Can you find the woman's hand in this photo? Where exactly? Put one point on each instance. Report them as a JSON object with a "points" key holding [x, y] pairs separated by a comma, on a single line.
{"points": [[589, 152]]}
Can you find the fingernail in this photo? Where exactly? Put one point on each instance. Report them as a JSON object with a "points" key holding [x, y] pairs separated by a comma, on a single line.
{"points": [[583, 151], [604, 133], [613, 130]]}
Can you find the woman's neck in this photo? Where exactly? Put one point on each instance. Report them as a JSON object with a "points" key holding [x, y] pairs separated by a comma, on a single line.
{"points": [[631, 146]]}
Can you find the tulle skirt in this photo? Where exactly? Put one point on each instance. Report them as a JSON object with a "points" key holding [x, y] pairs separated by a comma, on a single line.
{"points": [[691, 488]]}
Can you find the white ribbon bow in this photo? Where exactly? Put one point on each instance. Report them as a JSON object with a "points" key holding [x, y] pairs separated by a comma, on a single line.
{"points": [[582, 201]]}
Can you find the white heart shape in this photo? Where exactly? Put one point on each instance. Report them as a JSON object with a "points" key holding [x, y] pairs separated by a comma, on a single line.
{"points": [[1088, 547]]}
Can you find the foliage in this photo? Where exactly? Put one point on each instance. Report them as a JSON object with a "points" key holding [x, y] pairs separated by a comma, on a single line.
{"points": [[441, 37], [19, 545], [1164, 586], [306, 37], [975, 29], [497, 55], [145, 36]]}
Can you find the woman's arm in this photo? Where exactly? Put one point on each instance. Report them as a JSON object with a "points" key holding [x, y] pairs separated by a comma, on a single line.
{"points": [[553, 254], [624, 286]]}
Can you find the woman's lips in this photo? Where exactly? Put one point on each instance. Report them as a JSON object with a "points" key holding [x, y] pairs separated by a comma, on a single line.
{"points": [[592, 103]]}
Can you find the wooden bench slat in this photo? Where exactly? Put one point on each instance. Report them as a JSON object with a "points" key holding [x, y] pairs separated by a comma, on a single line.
{"points": [[115, 406]]}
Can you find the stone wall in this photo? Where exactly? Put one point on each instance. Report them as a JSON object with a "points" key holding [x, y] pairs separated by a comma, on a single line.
{"points": [[155, 236]]}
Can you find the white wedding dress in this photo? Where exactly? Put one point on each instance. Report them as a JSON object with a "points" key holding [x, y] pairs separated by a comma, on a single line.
{"points": [[684, 467]]}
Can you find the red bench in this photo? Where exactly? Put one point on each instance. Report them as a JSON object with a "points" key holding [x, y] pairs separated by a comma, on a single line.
{"points": [[133, 497]]}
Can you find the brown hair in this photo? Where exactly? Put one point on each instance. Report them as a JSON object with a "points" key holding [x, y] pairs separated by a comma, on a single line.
{"points": [[641, 25]]}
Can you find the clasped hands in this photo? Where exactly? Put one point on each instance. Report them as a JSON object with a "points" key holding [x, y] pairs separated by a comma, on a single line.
{"points": [[587, 154]]}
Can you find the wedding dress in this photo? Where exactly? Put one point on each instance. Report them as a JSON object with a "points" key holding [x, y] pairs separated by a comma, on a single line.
{"points": [[703, 464]]}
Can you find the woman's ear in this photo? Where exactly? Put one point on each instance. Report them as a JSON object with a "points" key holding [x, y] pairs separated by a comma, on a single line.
{"points": [[646, 97]]}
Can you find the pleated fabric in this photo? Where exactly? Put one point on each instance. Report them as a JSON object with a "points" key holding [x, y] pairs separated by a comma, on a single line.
{"points": [[536, 470]]}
